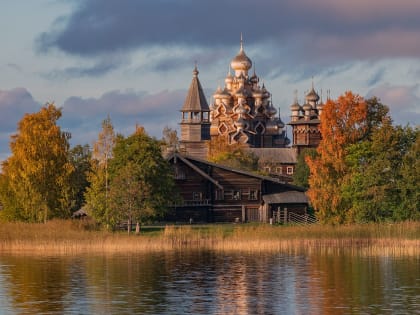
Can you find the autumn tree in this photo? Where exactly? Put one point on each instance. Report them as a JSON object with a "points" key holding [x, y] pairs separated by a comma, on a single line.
{"points": [[344, 122], [232, 155], [97, 194], [142, 187], [35, 180]]}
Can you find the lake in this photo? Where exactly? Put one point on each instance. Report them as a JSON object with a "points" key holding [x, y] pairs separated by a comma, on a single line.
{"points": [[206, 282]]}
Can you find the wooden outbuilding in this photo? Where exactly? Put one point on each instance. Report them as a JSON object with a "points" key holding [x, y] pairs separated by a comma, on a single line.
{"points": [[216, 193]]}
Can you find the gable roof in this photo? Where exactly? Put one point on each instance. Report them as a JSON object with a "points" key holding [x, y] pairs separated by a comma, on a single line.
{"points": [[196, 168], [195, 100], [189, 161]]}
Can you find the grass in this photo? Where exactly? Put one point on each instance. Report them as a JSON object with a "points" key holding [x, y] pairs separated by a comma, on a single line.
{"points": [[68, 237]]}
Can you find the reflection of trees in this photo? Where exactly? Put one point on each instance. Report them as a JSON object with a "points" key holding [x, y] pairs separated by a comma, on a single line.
{"points": [[130, 282], [37, 285], [210, 283], [348, 282]]}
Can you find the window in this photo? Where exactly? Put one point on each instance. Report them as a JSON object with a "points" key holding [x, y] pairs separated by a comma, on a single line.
{"points": [[253, 195], [267, 169], [236, 195], [219, 194], [289, 170], [197, 196], [279, 170]]}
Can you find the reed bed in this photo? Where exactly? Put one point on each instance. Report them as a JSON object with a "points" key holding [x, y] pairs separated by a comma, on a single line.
{"points": [[71, 237]]}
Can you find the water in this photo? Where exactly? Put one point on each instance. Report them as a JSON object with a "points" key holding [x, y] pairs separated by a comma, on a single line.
{"points": [[209, 283]]}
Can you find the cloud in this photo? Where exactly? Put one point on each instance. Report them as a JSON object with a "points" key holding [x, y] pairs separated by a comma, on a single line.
{"points": [[402, 101], [104, 66], [324, 30], [13, 105], [82, 117]]}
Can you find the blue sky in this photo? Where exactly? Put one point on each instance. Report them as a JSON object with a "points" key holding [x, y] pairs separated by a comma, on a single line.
{"points": [[133, 59]]}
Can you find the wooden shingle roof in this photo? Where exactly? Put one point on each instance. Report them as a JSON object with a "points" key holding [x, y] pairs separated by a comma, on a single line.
{"points": [[195, 100]]}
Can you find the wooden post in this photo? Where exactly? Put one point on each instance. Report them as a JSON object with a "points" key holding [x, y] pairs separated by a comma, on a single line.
{"points": [[243, 214], [285, 215], [137, 228]]}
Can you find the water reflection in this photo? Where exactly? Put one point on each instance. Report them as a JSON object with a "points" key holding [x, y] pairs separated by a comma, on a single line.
{"points": [[209, 283]]}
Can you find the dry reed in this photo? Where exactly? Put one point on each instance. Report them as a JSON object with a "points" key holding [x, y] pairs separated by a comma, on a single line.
{"points": [[70, 237]]}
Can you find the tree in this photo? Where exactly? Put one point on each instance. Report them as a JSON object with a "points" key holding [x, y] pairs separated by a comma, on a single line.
{"points": [[231, 155], [97, 193], [36, 177], [170, 140], [381, 187], [344, 122], [142, 186], [302, 172], [80, 158]]}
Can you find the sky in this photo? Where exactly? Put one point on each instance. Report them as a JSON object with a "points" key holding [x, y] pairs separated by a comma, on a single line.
{"points": [[133, 60]]}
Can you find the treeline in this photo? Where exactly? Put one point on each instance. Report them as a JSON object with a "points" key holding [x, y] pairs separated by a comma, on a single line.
{"points": [[365, 168], [122, 178]]}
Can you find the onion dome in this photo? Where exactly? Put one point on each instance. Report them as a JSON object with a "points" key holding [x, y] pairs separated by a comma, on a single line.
{"points": [[257, 93], [271, 111], [254, 79], [307, 107], [225, 93], [266, 94], [229, 77], [218, 92], [312, 96], [241, 92], [295, 106], [241, 60], [280, 123]]}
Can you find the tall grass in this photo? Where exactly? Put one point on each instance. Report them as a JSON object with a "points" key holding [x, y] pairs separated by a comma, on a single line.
{"points": [[67, 237]]}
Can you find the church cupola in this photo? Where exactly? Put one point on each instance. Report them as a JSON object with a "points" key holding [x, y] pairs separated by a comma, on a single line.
{"points": [[241, 63]]}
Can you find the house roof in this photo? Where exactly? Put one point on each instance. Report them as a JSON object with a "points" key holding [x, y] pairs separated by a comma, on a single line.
{"points": [[286, 197], [275, 155], [190, 159], [195, 100], [197, 169]]}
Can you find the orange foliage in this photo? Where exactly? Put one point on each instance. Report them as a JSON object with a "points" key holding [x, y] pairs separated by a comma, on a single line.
{"points": [[343, 122]]}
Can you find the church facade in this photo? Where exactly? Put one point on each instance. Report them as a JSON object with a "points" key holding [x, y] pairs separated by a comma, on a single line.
{"points": [[242, 112]]}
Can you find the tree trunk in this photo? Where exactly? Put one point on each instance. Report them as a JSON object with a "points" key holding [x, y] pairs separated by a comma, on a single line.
{"points": [[129, 226]]}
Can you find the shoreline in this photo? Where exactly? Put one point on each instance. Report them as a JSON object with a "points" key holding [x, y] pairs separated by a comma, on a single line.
{"points": [[71, 237]]}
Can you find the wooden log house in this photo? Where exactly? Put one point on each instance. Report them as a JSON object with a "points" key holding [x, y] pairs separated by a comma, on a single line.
{"points": [[216, 193]]}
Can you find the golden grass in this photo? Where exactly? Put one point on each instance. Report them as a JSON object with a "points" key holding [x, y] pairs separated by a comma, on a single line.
{"points": [[69, 237]]}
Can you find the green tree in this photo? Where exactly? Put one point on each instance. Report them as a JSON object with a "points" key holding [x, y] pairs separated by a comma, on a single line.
{"points": [[142, 186], [36, 177], [96, 196], [302, 172], [378, 186], [80, 157], [409, 182]]}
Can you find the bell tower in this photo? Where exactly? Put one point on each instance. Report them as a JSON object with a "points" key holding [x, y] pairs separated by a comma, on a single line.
{"points": [[195, 123]]}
